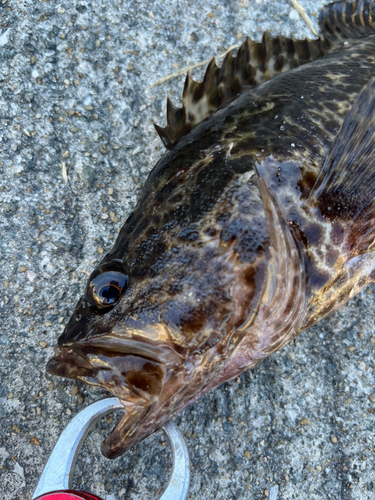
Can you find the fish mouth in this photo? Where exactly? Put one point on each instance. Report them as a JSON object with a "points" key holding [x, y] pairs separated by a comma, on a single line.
{"points": [[136, 376], [133, 378]]}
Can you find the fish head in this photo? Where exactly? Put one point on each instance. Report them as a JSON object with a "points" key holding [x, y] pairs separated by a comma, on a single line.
{"points": [[162, 313], [92, 349]]}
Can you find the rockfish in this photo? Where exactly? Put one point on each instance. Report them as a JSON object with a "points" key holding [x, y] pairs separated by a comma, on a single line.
{"points": [[257, 222]]}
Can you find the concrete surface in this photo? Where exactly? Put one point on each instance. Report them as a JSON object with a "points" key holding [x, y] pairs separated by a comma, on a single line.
{"points": [[76, 126]]}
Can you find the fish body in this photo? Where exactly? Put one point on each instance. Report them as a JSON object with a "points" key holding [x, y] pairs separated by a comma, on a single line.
{"points": [[256, 224]]}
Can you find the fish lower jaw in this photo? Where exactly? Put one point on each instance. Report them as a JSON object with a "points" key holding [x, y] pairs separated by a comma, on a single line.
{"points": [[125, 434]]}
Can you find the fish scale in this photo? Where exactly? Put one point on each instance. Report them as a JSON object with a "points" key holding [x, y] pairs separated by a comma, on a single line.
{"points": [[256, 224]]}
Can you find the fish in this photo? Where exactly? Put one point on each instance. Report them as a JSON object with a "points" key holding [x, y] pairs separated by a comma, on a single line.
{"points": [[258, 221]]}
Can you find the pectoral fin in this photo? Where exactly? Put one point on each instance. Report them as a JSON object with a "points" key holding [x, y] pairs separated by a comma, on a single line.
{"points": [[344, 191]]}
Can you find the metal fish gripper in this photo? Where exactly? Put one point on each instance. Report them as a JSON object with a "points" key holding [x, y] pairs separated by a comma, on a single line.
{"points": [[55, 481]]}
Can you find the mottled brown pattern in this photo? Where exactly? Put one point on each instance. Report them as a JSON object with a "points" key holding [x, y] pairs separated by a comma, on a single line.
{"points": [[238, 241]]}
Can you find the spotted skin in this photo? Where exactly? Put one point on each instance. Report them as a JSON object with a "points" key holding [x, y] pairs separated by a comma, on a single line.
{"points": [[229, 254]]}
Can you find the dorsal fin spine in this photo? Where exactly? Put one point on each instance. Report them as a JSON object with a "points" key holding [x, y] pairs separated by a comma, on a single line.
{"points": [[164, 135], [171, 119]]}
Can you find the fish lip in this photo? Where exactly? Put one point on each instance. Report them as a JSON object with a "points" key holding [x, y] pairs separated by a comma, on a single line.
{"points": [[119, 343], [67, 362], [72, 359], [135, 375]]}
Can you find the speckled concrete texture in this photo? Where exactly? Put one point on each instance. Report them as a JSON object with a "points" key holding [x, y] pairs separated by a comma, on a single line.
{"points": [[77, 142]]}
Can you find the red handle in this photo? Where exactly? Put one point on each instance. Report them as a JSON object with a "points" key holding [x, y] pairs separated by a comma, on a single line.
{"points": [[68, 495]]}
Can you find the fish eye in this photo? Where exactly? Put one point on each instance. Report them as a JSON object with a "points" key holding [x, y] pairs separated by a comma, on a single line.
{"points": [[106, 286]]}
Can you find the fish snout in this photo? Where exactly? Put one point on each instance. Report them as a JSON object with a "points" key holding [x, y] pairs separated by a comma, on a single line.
{"points": [[78, 326]]}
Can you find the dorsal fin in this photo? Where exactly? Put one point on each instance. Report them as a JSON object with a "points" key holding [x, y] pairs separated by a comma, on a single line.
{"points": [[257, 62], [339, 21]]}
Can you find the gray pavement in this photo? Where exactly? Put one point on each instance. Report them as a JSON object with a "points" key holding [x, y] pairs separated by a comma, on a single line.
{"points": [[77, 142]]}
